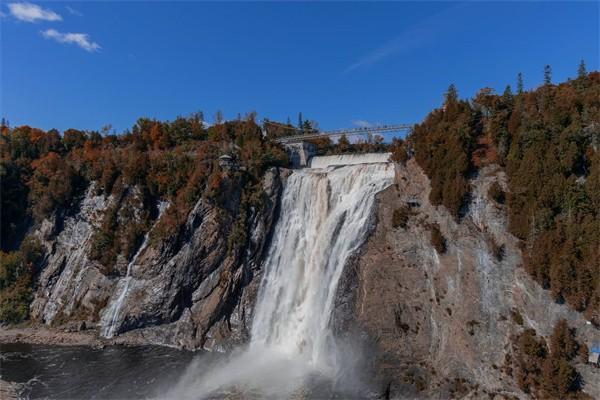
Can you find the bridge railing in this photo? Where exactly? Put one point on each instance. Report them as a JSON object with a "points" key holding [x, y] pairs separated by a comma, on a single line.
{"points": [[347, 132]]}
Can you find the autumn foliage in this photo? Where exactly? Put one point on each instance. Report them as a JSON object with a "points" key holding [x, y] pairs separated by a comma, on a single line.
{"points": [[547, 140], [545, 370], [44, 175]]}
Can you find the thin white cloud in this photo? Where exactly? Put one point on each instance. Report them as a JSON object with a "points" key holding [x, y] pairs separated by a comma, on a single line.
{"points": [[361, 123], [73, 11], [80, 39], [418, 35], [29, 12]]}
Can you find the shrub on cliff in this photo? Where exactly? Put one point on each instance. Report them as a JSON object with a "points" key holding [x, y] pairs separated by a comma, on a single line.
{"points": [[496, 193], [438, 241], [399, 151], [400, 217]]}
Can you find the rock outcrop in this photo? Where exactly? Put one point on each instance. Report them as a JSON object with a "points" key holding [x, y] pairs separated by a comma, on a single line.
{"points": [[190, 292], [442, 323]]}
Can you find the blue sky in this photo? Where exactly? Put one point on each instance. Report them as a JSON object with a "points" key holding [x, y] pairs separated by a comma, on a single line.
{"points": [[88, 64]]}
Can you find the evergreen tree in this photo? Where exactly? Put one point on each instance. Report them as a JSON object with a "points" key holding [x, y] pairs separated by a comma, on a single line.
{"points": [[581, 71], [300, 121], [562, 341], [218, 117], [519, 83], [507, 93], [547, 75], [307, 126], [451, 94]]}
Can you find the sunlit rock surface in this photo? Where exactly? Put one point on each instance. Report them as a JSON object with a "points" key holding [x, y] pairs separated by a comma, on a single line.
{"points": [[438, 319]]}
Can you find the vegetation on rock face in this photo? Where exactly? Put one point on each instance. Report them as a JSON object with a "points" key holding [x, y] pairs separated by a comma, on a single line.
{"points": [[443, 144], [438, 241], [45, 174], [400, 217], [547, 140], [547, 371], [496, 193], [17, 271]]}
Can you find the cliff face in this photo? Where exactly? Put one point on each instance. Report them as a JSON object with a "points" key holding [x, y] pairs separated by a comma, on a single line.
{"points": [[442, 322], [189, 292]]}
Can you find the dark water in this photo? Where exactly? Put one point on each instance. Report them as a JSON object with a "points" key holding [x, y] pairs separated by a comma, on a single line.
{"points": [[65, 372], [143, 372]]}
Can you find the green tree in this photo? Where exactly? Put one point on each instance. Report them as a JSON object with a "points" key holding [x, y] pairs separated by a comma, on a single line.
{"points": [[581, 71], [451, 95], [519, 83], [547, 75]]}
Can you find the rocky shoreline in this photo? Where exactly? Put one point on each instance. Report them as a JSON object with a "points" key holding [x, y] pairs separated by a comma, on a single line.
{"points": [[43, 335]]}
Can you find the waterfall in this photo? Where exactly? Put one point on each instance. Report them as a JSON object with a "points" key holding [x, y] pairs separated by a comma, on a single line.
{"points": [[325, 217], [348, 159], [324, 220], [111, 314]]}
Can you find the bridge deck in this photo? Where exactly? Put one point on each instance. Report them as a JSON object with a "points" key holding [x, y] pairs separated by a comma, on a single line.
{"points": [[347, 132]]}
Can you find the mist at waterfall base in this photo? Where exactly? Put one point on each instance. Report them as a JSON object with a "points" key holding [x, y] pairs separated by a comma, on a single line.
{"points": [[326, 214]]}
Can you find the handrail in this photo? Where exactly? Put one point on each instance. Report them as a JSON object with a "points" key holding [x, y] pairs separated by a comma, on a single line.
{"points": [[347, 132]]}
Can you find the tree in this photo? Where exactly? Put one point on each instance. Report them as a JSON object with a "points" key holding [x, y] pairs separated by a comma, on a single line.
{"points": [[547, 75], [581, 71], [105, 130], [399, 151], [307, 126], [451, 95], [72, 138], [507, 95], [559, 377], [519, 83], [343, 144], [218, 117], [562, 341], [300, 121]]}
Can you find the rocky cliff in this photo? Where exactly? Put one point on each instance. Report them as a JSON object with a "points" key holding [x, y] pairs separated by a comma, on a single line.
{"points": [[191, 292], [442, 323], [439, 323]]}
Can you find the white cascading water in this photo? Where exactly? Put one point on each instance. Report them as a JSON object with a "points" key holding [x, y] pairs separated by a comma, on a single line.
{"points": [[324, 220], [110, 317], [325, 217]]}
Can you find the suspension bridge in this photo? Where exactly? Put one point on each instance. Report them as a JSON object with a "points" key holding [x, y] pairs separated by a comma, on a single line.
{"points": [[298, 135], [301, 149]]}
